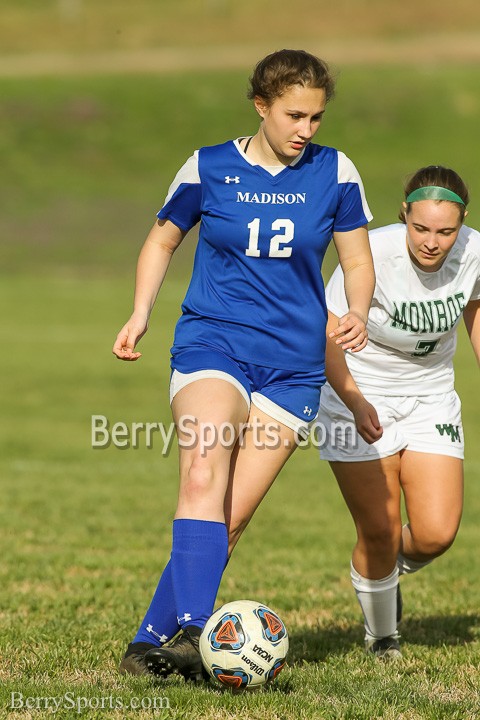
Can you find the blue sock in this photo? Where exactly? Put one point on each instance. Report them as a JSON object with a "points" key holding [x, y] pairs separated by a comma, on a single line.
{"points": [[160, 623], [199, 556]]}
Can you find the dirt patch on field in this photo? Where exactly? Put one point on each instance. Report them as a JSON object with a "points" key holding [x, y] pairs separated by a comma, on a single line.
{"points": [[95, 25], [431, 50], [98, 36]]}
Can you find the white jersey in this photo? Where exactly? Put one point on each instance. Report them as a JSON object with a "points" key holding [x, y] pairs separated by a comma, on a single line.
{"points": [[414, 315]]}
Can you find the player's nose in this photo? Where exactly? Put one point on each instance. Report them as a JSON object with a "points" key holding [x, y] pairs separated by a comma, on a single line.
{"points": [[305, 130], [431, 241]]}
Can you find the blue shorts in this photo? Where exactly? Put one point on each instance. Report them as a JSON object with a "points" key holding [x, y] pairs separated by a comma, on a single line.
{"points": [[291, 398]]}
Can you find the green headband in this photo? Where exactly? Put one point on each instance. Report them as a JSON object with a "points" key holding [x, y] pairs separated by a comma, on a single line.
{"points": [[433, 192]]}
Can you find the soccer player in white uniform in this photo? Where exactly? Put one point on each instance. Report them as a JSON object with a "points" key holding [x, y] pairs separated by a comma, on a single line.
{"points": [[399, 392], [250, 344]]}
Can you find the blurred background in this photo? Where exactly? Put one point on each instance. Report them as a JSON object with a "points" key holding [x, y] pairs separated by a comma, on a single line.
{"points": [[100, 104], [102, 101]]}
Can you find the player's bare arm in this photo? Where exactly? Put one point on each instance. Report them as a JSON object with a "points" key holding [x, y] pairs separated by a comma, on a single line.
{"points": [[154, 259], [471, 316], [341, 380], [355, 257]]}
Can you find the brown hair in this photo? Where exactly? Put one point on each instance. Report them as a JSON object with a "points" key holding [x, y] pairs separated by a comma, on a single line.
{"points": [[438, 176], [277, 72]]}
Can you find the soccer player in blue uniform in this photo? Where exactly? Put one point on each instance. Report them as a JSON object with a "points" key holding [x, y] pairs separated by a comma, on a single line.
{"points": [[249, 350]]}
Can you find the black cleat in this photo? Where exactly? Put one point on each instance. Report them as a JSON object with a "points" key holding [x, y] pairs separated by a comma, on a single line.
{"points": [[133, 662], [399, 603], [182, 657], [387, 648]]}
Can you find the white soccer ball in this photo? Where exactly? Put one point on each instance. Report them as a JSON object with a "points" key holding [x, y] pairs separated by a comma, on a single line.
{"points": [[244, 645]]}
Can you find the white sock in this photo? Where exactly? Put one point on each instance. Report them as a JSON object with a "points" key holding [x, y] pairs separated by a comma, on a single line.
{"points": [[378, 600], [407, 567]]}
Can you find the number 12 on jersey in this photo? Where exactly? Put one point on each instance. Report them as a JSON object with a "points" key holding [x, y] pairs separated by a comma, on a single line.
{"points": [[277, 242]]}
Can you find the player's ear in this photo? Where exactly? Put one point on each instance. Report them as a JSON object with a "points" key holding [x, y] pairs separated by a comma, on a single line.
{"points": [[404, 206], [260, 106]]}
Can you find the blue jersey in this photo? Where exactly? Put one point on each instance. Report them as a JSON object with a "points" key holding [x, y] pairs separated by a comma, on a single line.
{"points": [[257, 291]]}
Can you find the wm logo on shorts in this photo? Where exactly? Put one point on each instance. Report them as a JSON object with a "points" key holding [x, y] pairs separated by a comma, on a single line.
{"points": [[453, 431]]}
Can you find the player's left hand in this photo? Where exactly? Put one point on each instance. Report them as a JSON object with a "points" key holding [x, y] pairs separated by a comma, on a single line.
{"points": [[351, 333]]}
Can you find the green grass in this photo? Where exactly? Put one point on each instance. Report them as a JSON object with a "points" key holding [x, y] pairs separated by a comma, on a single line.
{"points": [[85, 532]]}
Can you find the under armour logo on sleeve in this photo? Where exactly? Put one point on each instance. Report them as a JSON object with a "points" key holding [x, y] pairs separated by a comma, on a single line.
{"points": [[229, 179]]}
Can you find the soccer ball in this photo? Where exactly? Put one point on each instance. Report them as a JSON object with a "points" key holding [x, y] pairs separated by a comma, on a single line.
{"points": [[244, 645]]}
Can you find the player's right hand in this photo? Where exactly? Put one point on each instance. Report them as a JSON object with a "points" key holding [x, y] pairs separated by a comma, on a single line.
{"points": [[367, 422], [128, 337], [351, 333]]}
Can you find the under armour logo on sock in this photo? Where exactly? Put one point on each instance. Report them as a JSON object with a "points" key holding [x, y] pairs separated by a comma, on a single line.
{"points": [[185, 618], [161, 638]]}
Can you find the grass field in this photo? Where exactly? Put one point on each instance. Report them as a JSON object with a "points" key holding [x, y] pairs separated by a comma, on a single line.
{"points": [[86, 163]]}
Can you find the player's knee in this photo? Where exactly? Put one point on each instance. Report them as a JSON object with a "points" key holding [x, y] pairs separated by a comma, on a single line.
{"points": [[198, 482], [436, 543], [382, 536]]}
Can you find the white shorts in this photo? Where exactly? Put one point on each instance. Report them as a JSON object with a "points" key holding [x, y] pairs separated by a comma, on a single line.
{"points": [[423, 424]]}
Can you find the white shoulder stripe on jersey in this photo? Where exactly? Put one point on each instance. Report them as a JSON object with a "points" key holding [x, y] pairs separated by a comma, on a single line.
{"points": [[348, 173], [188, 174]]}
